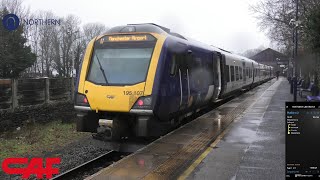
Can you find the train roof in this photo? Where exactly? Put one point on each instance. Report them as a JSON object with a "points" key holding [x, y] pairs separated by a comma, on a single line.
{"points": [[146, 27], [155, 28]]}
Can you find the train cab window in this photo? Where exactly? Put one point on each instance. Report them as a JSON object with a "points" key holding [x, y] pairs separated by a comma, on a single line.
{"points": [[237, 73], [227, 73], [240, 72], [232, 73], [126, 64], [173, 65]]}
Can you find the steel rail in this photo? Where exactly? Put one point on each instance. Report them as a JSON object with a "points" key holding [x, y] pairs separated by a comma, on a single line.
{"points": [[74, 172]]}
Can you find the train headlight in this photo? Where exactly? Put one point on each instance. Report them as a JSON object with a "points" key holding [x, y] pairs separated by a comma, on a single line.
{"points": [[143, 103], [81, 100]]}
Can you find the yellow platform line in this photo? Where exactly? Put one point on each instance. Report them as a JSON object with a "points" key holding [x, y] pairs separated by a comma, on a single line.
{"points": [[191, 168]]}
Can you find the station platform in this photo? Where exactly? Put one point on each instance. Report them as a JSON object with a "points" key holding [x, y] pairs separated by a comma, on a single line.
{"points": [[241, 139]]}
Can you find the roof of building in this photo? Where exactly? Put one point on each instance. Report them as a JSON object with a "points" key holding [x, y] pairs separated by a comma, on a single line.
{"points": [[269, 55]]}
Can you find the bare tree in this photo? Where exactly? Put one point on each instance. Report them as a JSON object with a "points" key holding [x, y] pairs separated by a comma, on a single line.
{"points": [[16, 7], [59, 49], [251, 52], [275, 16], [89, 31], [69, 31], [45, 44]]}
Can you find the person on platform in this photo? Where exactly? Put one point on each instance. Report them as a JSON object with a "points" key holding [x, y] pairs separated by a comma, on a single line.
{"points": [[277, 74]]}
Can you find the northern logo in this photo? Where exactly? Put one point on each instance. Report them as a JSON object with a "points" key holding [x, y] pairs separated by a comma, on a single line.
{"points": [[11, 22]]}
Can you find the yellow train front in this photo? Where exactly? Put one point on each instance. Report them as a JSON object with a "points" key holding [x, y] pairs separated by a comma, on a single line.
{"points": [[116, 80]]}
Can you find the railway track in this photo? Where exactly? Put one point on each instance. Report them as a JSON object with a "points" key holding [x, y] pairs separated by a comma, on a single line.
{"points": [[90, 167]]}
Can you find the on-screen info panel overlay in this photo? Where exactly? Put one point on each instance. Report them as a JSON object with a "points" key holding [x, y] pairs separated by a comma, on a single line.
{"points": [[303, 139]]}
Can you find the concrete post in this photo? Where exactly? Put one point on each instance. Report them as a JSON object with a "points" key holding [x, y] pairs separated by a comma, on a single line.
{"points": [[72, 89], [47, 90], [14, 89]]}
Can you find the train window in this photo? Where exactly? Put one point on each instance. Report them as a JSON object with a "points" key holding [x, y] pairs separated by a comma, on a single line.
{"points": [[190, 62], [124, 65], [250, 73], [182, 64], [237, 73], [173, 65], [232, 73], [198, 63], [247, 71], [240, 72], [227, 73]]}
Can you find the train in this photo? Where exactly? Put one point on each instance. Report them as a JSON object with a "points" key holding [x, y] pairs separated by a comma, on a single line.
{"points": [[141, 79]]}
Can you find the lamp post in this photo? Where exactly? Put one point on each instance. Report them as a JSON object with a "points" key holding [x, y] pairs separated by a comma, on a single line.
{"points": [[296, 54], [278, 64]]}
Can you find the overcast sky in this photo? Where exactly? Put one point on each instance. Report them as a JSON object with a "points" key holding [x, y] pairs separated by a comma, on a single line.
{"points": [[224, 23]]}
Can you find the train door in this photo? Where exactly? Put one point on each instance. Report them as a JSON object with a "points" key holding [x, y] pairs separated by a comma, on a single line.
{"points": [[216, 61], [184, 80], [253, 73], [244, 76], [259, 73], [224, 73]]}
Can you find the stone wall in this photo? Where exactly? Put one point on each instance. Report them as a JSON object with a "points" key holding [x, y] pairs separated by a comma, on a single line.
{"points": [[37, 100], [36, 114]]}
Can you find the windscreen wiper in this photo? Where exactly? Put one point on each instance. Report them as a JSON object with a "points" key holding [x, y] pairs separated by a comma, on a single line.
{"points": [[102, 70]]}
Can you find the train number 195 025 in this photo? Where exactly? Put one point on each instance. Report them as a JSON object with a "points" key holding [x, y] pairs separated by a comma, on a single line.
{"points": [[129, 93]]}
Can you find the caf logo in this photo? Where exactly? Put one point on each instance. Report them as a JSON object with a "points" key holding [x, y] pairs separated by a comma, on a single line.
{"points": [[11, 22]]}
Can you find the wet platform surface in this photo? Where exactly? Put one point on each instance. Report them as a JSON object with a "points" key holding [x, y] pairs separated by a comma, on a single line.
{"points": [[244, 147], [254, 146]]}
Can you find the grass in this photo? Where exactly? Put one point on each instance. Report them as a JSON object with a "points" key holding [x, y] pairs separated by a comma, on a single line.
{"points": [[36, 139]]}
